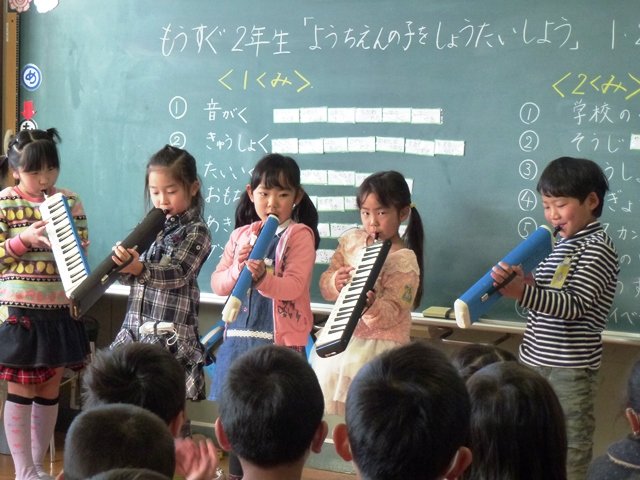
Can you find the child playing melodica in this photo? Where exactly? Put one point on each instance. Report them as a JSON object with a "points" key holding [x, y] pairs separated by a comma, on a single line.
{"points": [[384, 201], [278, 309], [163, 279], [39, 338], [570, 298]]}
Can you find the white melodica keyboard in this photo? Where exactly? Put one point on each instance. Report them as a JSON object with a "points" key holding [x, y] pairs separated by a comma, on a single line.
{"points": [[65, 241], [349, 305]]}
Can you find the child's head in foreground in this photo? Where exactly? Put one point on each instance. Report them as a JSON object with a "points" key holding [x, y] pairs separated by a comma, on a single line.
{"points": [[117, 435], [141, 374], [271, 408], [407, 416], [517, 425]]}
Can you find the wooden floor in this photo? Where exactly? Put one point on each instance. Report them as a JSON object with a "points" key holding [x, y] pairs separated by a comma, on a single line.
{"points": [[6, 464], [7, 472]]}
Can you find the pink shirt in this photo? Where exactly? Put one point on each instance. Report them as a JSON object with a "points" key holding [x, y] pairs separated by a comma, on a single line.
{"points": [[389, 318], [288, 286]]}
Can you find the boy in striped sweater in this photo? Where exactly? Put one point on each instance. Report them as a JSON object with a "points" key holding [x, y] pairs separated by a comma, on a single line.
{"points": [[569, 298]]}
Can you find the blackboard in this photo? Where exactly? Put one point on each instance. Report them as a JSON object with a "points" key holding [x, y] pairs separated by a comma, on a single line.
{"points": [[469, 99]]}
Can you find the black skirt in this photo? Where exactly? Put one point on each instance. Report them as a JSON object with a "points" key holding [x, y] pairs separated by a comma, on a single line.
{"points": [[37, 339]]}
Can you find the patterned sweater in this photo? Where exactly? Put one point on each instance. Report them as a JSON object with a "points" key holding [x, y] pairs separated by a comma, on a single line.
{"points": [[568, 311], [29, 278]]}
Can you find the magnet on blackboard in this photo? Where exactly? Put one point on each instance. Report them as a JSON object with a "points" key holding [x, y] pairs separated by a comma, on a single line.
{"points": [[28, 125], [31, 77]]}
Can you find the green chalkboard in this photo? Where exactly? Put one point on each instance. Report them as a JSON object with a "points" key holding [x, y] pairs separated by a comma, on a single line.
{"points": [[469, 99]]}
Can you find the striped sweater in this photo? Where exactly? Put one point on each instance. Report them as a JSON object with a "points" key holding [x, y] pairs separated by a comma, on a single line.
{"points": [[29, 278], [566, 316]]}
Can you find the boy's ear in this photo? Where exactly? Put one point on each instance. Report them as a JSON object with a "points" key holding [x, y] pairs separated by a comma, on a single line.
{"points": [[319, 436], [341, 442], [459, 464], [175, 425], [592, 201], [221, 435]]}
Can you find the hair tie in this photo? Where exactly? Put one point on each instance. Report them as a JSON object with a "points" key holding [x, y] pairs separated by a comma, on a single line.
{"points": [[412, 205]]}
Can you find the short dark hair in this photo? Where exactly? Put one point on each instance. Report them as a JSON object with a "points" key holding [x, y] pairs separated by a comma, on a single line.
{"points": [[574, 178], [271, 406], [117, 435], [515, 412], [142, 374], [407, 414], [129, 474], [471, 358]]}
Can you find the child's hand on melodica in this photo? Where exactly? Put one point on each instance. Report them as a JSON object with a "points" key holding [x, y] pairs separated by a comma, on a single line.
{"points": [[35, 236], [509, 279], [242, 254], [371, 297], [342, 277], [128, 259]]}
